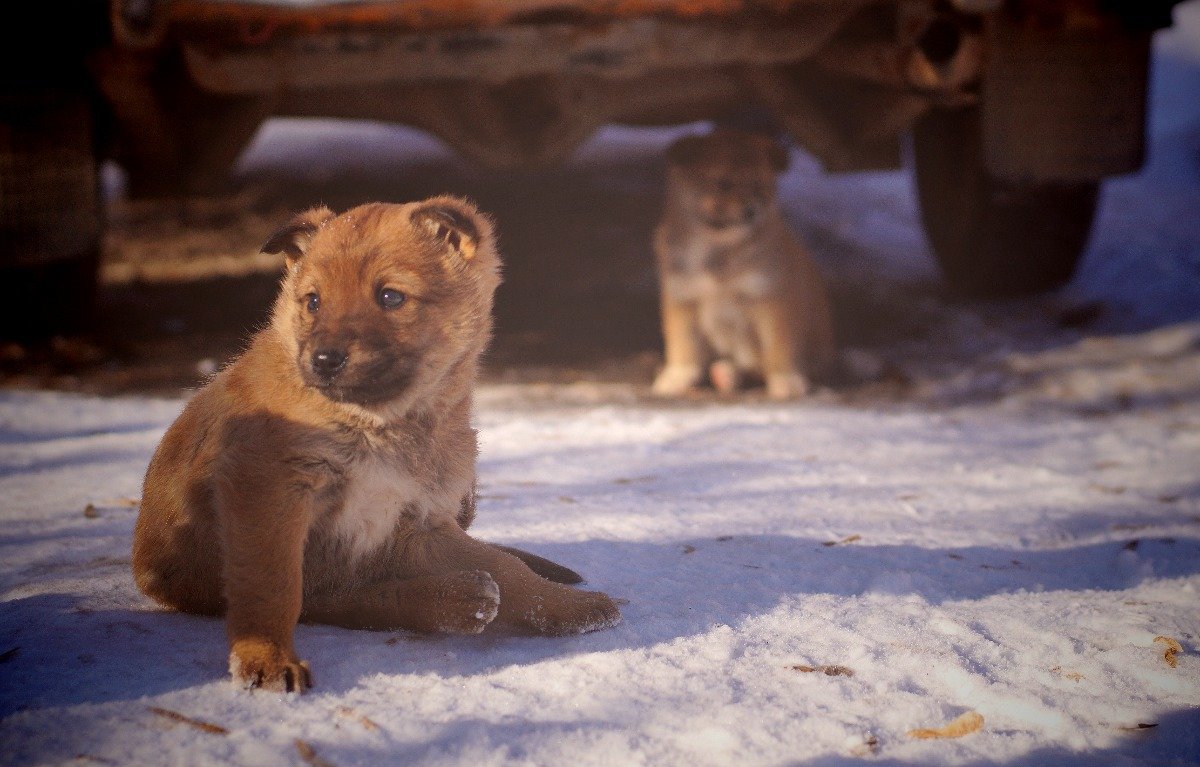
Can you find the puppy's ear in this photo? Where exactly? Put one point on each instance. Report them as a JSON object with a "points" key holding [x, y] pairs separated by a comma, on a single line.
{"points": [[686, 151], [777, 153], [292, 239], [454, 222]]}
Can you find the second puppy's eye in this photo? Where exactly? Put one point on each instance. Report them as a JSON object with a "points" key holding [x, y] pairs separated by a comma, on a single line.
{"points": [[312, 302], [390, 298]]}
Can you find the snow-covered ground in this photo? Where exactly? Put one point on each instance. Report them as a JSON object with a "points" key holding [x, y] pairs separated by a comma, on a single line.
{"points": [[805, 584]]}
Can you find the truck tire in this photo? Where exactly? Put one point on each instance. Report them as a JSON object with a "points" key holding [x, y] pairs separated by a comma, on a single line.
{"points": [[50, 213], [994, 238]]}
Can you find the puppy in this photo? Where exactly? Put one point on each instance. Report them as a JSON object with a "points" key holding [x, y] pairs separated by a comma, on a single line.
{"points": [[740, 295], [327, 474]]}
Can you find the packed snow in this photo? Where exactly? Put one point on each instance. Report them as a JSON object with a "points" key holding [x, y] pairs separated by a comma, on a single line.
{"points": [[1016, 539]]}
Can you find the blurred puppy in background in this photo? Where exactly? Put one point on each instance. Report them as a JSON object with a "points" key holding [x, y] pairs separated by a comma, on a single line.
{"points": [[742, 300]]}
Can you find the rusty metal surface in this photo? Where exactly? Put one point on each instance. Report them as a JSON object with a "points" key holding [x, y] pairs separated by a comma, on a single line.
{"points": [[262, 19], [522, 82], [1064, 104], [624, 49]]}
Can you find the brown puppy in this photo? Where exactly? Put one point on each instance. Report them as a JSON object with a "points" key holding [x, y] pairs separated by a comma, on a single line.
{"points": [[327, 474], [740, 295]]}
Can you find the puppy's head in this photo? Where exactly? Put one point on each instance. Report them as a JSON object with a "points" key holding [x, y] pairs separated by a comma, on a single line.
{"points": [[380, 303], [726, 179]]}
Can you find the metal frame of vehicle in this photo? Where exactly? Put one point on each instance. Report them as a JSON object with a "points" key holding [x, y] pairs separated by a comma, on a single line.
{"points": [[1048, 94]]}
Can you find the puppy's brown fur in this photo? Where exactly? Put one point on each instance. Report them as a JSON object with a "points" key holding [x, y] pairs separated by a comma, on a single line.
{"points": [[740, 294], [327, 474]]}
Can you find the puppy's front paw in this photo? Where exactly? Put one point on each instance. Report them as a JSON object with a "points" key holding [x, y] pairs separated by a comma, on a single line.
{"points": [[675, 380], [259, 663], [469, 600], [790, 385]]}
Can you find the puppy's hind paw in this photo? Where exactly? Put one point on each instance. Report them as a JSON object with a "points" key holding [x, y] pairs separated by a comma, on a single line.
{"points": [[584, 611], [601, 613], [469, 601]]}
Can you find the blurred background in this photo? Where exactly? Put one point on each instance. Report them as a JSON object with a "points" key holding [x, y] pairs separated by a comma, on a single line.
{"points": [[972, 176]]}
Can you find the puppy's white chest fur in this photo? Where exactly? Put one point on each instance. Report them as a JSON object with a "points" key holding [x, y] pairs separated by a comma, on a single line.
{"points": [[380, 495], [693, 273]]}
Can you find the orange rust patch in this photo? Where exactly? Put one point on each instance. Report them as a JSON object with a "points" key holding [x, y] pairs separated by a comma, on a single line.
{"points": [[258, 22]]}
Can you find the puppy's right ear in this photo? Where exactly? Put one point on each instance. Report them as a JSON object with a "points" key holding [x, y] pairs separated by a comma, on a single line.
{"points": [[292, 239], [686, 151], [454, 222]]}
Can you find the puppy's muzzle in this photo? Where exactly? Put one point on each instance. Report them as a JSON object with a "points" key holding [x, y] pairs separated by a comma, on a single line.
{"points": [[328, 363], [728, 213]]}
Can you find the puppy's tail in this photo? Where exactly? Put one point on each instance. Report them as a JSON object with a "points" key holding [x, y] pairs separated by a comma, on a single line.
{"points": [[551, 571]]}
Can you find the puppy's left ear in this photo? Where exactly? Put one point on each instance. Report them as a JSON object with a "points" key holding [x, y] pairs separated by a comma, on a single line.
{"points": [[454, 222], [687, 151], [777, 153], [293, 238]]}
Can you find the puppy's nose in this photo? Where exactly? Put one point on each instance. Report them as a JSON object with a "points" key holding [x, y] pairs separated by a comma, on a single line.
{"points": [[327, 363]]}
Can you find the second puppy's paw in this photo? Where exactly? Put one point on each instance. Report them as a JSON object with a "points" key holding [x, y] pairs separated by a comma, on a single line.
{"points": [[790, 385], [674, 380]]}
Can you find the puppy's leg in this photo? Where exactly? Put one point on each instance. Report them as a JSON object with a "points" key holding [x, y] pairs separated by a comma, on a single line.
{"points": [[540, 565], [264, 534], [263, 494], [781, 370], [526, 600], [551, 571], [457, 602], [820, 348], [681, 342]]}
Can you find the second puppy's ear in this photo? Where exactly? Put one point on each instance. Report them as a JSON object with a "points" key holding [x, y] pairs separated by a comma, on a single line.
{"points": [[776, 152], [453, 221], [780, 159], [686, 151], [293, 238]]}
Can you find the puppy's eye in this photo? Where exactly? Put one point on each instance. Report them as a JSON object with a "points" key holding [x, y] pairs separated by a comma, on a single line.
{"points": [[312, 302], [390, 298]]}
